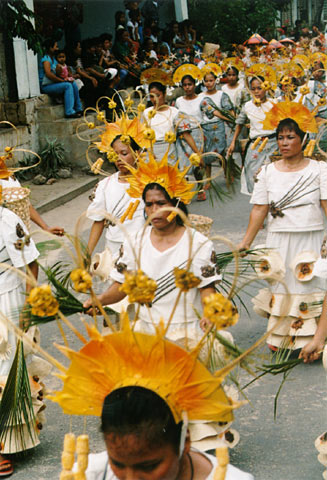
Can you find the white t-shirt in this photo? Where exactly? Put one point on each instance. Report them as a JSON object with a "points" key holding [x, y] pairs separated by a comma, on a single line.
{"points": [[303, 212], [111, 197], [190, 107], [160, 267], [13, 230], [256, 115], [162, 122], [233, 93], [99, 469]]}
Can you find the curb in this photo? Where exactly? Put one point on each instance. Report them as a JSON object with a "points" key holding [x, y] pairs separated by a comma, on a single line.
{"points": [[55, 201]]}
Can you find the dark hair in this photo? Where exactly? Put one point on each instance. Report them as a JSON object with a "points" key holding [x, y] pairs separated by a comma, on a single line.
{"points": [[134, 146], [139, 411], [159, 86], [59, 52], [188, 77], [173, 201], [289, 124], [119, 13], [209, 73], [48, 43], [234, 69], [105, 36], [257, 77]]}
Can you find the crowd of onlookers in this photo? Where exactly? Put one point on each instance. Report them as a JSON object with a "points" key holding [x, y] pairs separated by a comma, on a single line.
{"points": [[96, 66]]}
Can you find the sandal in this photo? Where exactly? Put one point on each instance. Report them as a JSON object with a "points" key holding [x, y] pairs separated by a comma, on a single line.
{"points": [[201, 196], [7, 469]]}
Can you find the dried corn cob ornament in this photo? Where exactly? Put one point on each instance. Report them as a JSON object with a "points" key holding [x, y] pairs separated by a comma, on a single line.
{"points": [[223, 461], [68, 457]]}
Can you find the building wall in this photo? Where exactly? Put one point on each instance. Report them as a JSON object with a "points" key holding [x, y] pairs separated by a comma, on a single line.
{"points": [[99, 15]]}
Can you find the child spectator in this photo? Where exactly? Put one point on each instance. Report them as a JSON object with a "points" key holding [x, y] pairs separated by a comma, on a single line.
{"points": [[62, 70]]}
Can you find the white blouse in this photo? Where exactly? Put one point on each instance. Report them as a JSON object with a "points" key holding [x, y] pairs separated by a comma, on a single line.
{"points": [[99, 469], [190, 107], [160, 267], [12, 233], [111, 197], [162, 122], [256, 115], [296, 194], [233, 93]]}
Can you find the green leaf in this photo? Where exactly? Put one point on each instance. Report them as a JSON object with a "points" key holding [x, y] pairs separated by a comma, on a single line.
{"points": [[16, 404]]}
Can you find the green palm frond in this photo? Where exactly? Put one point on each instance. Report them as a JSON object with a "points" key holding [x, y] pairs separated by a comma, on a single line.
{"points": [[45, 247], [16, 407], [58, 276]]}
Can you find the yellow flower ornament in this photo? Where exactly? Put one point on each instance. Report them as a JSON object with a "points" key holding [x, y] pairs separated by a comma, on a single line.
{"points": [[139, 287], [42, 301], [82, 280], [219, 311]]}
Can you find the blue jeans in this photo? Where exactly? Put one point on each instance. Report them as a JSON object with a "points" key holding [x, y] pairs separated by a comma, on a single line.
{"points": [[71, 95]]}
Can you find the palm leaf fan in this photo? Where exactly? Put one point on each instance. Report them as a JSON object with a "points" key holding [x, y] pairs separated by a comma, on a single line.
{"points": [[16, 407]]}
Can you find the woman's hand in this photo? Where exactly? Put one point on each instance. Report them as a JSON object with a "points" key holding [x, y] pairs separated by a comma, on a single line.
{"points": [[205, 324], [230, 149], [89, 308], [312, 351]]}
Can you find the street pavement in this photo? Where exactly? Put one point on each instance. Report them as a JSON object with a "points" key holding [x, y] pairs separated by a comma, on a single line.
{"points": [[280, 449]]}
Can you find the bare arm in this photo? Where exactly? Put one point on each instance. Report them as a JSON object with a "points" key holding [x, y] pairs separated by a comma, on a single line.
{"points": [[95, 234], [323, 204], [313, 349], [34, 268], [84, 74], [187, 136], [204, 292], [110, 296], [220, 115], [257, 216], [50, 74], [231, 147], [95, 73], [36, 218]]}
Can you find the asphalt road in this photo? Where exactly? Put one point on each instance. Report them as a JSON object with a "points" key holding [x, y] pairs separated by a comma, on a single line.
{"points": [[271, 449]]}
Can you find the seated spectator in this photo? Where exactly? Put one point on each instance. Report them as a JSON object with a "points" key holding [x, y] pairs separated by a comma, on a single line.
{"points": [[92, 88], [51, 84], [148, 53]]}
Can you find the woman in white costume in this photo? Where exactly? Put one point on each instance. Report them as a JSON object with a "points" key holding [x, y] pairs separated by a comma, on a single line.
{"points": [[111, 197], [17, 250], [254, 111], [292, 193], [160, 117], [165, 246]]}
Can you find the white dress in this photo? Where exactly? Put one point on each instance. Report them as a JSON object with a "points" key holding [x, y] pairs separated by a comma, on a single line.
{"points": [[111, 197], [253, 158], [161, 123], [188, 120], [295, 225], [12, 298], [160, 267], [99, 469]]}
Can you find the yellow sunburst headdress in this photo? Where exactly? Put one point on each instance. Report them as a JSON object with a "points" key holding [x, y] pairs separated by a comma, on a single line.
{"points": [[156, 75], [319, 57], [127, 128], [302, 60], [187, 69], [296, 111], [211, 68], [232, 62], [161, 172], [263, 70], [128, 358]]}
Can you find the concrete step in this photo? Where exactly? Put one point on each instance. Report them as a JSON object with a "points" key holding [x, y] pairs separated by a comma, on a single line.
{"points": [[49, 113]]}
